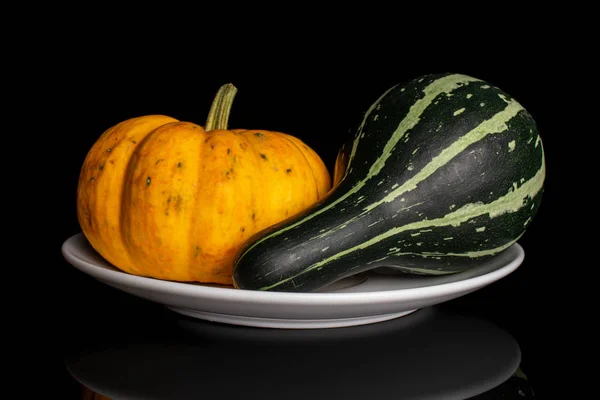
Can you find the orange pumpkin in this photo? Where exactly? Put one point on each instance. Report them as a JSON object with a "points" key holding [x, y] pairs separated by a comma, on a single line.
{"points": [[172, 200]]}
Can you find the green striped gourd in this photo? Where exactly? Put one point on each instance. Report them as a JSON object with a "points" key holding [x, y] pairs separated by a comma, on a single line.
{"points": [[444, 171]]}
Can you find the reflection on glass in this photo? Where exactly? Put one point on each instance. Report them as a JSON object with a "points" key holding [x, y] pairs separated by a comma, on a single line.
{"points": [[429, 354]]}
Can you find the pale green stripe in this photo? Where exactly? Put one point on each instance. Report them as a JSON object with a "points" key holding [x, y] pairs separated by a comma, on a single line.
{"points": [[422, 270], [470, 254], [496, 124], [443, 85], [511, 202], [359, 133]]}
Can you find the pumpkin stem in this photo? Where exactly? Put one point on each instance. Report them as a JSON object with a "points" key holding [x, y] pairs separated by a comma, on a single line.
{"points": [[218, 117]]}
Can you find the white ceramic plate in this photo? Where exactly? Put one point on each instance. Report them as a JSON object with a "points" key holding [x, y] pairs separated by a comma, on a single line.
{"points": [[363, 299]]}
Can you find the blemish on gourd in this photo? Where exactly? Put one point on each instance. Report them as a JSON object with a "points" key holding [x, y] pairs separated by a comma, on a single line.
{"points": [[148, 180], [243, 229], [101, 167], [259, 135], [243, 146], [158, 161], [263, 156], [503, 97], [288, 170], [197, 251], [228, 151], [108, 150], [511, 145], [179, 164]]}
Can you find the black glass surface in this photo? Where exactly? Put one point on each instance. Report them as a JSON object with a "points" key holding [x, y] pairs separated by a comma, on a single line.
{"points": [[144, 351]]}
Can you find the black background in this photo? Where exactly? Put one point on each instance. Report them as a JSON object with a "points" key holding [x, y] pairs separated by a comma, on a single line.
{"points": [[317, 90]]}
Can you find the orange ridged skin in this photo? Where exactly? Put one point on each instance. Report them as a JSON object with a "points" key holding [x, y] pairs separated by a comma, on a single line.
{"points": [[166, 199]]}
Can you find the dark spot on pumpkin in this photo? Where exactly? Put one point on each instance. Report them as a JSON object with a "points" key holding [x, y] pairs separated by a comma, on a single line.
{"points": [[101, 167], [259, 134], [159, 160], [228, 151], [178, 201], [93, 178], [108, 150], [174, 202], [179, 164], [197, 251], [243, 229], [243, 146], [148, 180], [206, 140], [263, 156], [253, 216], [133, 141], [111, 161], [288, 170], [212, 146]]}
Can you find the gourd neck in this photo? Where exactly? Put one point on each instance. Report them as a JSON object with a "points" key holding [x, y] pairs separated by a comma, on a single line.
{"points": [[218, 116]]}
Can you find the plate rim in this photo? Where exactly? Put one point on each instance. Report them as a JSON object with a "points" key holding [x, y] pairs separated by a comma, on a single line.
{"points": [[197, 290]]}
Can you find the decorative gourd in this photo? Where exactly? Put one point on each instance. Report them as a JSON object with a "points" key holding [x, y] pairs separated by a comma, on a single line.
{"points": [[443, 171], [172, 200]]}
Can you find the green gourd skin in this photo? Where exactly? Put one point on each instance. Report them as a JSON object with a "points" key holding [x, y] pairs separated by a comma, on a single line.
{"points": [[444, 170]]}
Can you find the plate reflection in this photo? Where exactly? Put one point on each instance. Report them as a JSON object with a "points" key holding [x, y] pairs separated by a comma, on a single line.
{"points": [[429, 354]]}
